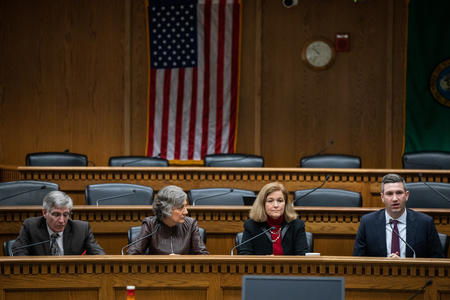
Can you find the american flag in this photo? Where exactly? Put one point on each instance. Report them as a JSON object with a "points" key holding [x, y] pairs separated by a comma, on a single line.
{"points": [[194, 76]]}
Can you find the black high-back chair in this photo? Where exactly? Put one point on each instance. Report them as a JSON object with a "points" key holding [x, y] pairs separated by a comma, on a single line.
{"points": [[428, 195], [327, 197], [25, 192], [137, 161], [309, 240], [330, 161], [118, 194], [219, 196], [444, 242], [426, 160], [7, 247], [233, 160], [56, 159]]}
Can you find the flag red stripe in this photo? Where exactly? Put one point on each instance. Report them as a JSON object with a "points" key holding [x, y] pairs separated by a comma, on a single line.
{"points": [[206, 78], [193, 115], [220, 75], [165, 112], [151, 112], [179, 113], [234, 75]]}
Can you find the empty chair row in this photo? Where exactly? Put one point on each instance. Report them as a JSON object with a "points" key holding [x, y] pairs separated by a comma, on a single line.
{"points": [[422, 195], [415, 160]]}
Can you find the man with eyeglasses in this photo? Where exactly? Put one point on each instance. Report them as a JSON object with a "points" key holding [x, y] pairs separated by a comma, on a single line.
{"points": [[397, 231], [55, 233]]}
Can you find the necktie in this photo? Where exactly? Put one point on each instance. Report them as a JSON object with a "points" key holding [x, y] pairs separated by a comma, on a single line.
{"points": [[395, 242], [54, 249]]}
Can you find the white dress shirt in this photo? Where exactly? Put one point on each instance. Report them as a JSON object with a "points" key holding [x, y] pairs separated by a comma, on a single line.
{"points": [[401, 226]]}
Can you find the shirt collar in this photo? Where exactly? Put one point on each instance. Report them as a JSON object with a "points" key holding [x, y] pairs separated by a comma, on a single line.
{"points": [[50, 232], [401, 219]]}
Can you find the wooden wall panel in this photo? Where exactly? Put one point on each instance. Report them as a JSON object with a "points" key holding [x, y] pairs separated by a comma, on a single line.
{"points": [[303, 110], [61, 78], [64, 80], [139, 71]]}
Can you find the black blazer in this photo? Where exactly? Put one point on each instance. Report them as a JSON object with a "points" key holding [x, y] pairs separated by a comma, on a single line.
{"points": [[293, 239], [77, 238], [421, 234]]}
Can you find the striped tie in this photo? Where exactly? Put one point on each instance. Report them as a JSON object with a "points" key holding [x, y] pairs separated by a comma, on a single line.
{"points": [[54, 248]]}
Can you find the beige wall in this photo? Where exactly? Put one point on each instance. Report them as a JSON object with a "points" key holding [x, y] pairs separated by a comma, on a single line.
{"points": [[73, 76]]}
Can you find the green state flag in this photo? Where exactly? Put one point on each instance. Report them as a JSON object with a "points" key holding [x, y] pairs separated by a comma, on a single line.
{"points": [[428, 76]]}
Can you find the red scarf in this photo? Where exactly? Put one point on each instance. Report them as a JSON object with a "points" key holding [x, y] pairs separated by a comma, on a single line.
{"points": [[276, 234]]}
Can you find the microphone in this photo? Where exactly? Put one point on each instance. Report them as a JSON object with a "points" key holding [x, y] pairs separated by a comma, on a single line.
{"points": [[228, 160], [139, 160], [433, 189], [142, 238], [13, 250], [314, 189], [397, 234], [330, 143], [23, 192], [245, 242], [429, 282], [328, 146], [114, 197], [212, 196]]}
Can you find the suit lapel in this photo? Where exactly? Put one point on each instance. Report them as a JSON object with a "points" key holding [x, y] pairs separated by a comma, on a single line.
{"points": [[267, 234], [67, 237], [285, 228], [43, 236], [411, 229], [380, 231]]}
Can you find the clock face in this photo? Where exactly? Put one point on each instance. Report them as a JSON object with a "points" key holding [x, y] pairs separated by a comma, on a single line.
{"points": [[318, 53]]}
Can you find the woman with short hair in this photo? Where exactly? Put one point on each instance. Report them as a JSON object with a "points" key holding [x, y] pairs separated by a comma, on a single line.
{"points": [[174, 232], [273, 209]]}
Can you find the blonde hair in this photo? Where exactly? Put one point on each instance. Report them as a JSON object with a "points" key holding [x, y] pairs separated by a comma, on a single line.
{"points": [[258, 210]]}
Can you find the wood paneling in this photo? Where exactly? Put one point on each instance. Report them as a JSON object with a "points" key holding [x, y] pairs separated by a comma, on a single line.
{"points": [[303, 110], [62, 78], [70, 69], [212, 277]]}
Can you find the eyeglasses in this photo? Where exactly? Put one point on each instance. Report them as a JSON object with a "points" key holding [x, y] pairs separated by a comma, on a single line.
{"points": [[56, 215], [180, 207]]}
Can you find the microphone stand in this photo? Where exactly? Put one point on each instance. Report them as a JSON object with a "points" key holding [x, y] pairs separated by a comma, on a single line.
{"points": [[433, 189], [26, 246], [230, 191], [314, 189], [142, 238], [271, 228], [429, 282], [23, 192], [114, 197], [397, 234]]}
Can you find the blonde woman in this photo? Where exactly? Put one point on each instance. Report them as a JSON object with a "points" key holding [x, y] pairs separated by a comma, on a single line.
{"points": [[272, 209]]}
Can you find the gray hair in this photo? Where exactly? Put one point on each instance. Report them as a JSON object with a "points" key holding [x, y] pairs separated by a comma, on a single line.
{"points": [[392, 178], [168, 198], [57, 199]]}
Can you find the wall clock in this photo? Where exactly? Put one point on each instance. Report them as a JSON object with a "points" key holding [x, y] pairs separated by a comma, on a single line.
{"points": [[318, 53]]}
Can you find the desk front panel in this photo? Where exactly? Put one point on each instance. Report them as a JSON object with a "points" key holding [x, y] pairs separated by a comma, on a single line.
{"points": [[211, 277]]}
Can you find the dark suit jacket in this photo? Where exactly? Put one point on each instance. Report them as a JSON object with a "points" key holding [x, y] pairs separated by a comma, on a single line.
{"points": [[293, 239], [77, 238], [421, 234]]}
